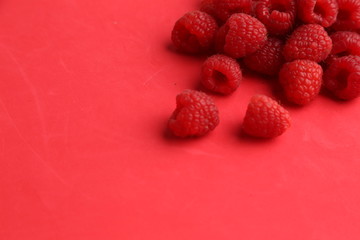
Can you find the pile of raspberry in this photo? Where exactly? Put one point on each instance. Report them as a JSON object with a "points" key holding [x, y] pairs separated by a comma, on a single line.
{"points": [[309, 45]]}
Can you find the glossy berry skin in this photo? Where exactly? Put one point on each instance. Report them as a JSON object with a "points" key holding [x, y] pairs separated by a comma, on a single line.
{"points": [[277, 15], [301, 81], [221, 74], [323, 12], [268, 59], [342, 77], [195, 115], [241, 35], [348, 18], [194, 32], [225, 8], [265, 118], [344, 44], [310, 42]]}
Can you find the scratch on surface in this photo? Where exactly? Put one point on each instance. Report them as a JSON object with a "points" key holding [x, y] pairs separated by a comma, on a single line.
{"points": [[152, 76], [62, 63], [32, 90]]}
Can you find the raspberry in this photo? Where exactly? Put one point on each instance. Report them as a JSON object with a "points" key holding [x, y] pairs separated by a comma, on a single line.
{"points": [[268, 59], [241, 35], [310, 42], [225, 8], [221, 74], [194, 32], [208, 6], [348, 18], [342, 77], [301, 80], [195, 115], [265, 118], [323, 12], [344, 44], [277, 15]]}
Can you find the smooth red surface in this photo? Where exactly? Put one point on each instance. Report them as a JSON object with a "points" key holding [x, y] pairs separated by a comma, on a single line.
{"points": [[86, 88]]}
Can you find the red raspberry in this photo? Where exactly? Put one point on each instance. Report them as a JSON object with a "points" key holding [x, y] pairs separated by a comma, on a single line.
{"points": [[194, 32], [342, 77], [310, 42], [277, 15], [268, 59], [301, 80], [195, 115], [323, 12], [344, 44], [265, 118], [348, 18], [241, 35], [221, 74], [208, 6], [225, 8]]}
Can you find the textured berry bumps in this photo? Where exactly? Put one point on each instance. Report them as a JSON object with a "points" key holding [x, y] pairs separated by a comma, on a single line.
{"points": [[225, 8], [194, 32], [301, 80], [195, 115], [342, 77], [221, 74], [348, 18], [277, 15], [310, 42], [323, 12], [344, 44], [268, 59], [265, 118], [241, 35]]}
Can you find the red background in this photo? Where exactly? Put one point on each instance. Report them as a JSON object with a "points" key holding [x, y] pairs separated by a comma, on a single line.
{"points": [[86, 88]]}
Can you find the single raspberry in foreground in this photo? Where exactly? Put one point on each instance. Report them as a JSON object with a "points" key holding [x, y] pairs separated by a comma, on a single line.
{"points": [[323, 12], [310, 42], [277, 15], [194, 32], [241, 35], [268, 59], [348, 18], [265, 118], [221, 74], [342, 77], [195, 115], [301, 81], [344, 44]]}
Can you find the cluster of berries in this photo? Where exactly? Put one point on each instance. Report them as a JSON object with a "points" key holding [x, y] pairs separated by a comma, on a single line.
{"points": [[308, 44]]}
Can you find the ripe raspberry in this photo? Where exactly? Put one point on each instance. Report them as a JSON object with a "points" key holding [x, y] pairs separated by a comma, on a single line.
{"points": [[323, 12], [301, 80], [348, 18], [195, 115], [268, 59], [344, 44], [241, 35], [277, 15], [208, 6], [310, 42], [265, 118], [342, 77], [225, 8], [194, 32], [221, 74]]}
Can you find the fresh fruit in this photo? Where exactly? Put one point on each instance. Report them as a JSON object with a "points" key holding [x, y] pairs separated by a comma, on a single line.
{"points": [[323, 12], [310, 42], [348, 18], [195, 115], [268, 59], [221, 74], [194, 32], [301, 80], [277, 15], [241, 35], [225, 8], [344, 44], [265, 118], [342, 77]]}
